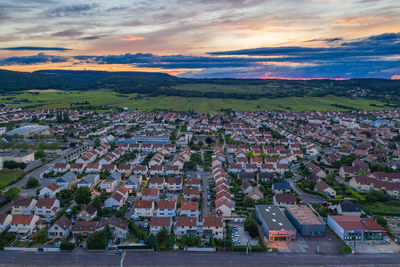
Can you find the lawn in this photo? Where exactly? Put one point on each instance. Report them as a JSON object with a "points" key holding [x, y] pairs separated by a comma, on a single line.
{"points": [[103, 99], [388, 208], [8, 177]]}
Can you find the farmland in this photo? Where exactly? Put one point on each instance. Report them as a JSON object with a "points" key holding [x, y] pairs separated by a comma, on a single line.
{"points": [[104, 99]]}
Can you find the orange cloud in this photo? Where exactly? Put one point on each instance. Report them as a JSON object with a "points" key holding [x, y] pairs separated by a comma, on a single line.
{"points": [[396, 77], [133, 38]]}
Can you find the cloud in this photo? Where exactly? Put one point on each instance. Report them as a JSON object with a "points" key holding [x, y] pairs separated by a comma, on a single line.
{"points": [[93, 37], [67, 33], [73, 10], [133, 38], [36, 48], [32, 60]]}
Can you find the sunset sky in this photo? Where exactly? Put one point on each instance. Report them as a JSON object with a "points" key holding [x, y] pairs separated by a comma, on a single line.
{"points": [[205, 38]]}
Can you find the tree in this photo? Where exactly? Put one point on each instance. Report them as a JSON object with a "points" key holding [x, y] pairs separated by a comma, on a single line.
{"points": [[65, 195], [382, 221], [41, 236], [209, 140], [40, 154], [32, 183], [248, 202], [97, 203], [163, 238], [11, 165], [151, 240], [82, 195], [251, 226], [98, 240], [12, 193]]}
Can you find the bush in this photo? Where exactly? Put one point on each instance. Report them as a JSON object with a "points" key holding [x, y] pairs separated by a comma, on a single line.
{"points": [[98, 240], [82, 195], [66, 245], [32, 183]]}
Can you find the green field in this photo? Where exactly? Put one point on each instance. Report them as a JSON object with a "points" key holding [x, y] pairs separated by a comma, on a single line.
{"points": [[389, 208], [6, 177], [106, 99]]}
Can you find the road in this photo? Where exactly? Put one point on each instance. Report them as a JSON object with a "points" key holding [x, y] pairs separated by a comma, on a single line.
{"points": [[83, 258], [307, 198]]}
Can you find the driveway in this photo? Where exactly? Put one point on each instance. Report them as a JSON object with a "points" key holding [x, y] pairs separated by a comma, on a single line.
{"points": [[307, 198]]}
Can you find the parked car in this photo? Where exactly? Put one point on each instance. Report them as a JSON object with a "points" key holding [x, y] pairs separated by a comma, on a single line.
{"points": [[119, 251], [136, 218]]}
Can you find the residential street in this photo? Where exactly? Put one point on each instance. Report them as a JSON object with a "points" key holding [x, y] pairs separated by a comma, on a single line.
{"points": [[83, 258]]}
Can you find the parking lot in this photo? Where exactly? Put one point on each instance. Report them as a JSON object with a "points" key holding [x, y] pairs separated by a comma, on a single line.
{"points": [[239, 236], [325, 244], [374, 247]]}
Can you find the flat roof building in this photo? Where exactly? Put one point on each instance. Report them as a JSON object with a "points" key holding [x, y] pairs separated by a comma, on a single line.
{"points": [[274, 223], [355, 228], [305, 221]]}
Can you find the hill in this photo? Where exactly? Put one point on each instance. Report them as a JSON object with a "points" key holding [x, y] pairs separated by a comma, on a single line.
{"points": [[156, 84]]}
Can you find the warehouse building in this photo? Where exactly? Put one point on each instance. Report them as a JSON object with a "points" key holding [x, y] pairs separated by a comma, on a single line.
{"points": [[29, 129], [274, 223], [355, 228], [305, 221]]}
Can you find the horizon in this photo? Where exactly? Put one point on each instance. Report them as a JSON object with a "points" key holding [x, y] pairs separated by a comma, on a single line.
{"points": [[307, 39]]}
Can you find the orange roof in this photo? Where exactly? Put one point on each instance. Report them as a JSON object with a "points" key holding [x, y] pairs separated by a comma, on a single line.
{"points": [[189, 205]]}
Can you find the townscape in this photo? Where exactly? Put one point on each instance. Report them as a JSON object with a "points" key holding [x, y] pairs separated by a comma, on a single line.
{"points": [[295, 181]]}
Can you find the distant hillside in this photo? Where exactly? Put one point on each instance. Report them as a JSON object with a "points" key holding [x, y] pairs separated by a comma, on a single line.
{"points": [[154, 84]]}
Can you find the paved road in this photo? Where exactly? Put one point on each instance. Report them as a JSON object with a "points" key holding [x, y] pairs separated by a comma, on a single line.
{"points": [[83, 258], [307, 198]]}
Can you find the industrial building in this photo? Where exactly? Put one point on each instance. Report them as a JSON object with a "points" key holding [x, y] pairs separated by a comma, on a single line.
{"points": [[29, 129], [274, 223], [305, 221], [355, 228], [25, 157]]}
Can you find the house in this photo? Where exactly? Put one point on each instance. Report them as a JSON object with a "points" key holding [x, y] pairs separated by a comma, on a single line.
{"points": [[84, 227], [191, 193], [193, 182], [67, 180], [140, 169], [349, 208], [144, 208], [213, 227], [189, 208], [133, 183], [166, 208], [61, 167], [23, 206], [89, 181], [174, 184], [284, 199], [24, 224], [93, 167], [157, 170], [150, 194], [158, 223], [47, 207], [60, 229], [114, 201], [324, 188], [171, 170], [186, 226], [157, 182], [77, 167], [125, 169], [247, 187], [256, 194], [5, 221], [118, 227], [49, 191], [279, 188], [223, 207], [87, 214], [111, 182]]}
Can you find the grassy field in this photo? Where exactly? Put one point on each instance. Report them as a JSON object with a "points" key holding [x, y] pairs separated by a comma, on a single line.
{"points": [[388, 208], [106, 99], [6, 178]]}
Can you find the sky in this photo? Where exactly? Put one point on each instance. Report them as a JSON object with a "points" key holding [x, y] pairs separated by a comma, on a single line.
{"points": [[295, 39]]}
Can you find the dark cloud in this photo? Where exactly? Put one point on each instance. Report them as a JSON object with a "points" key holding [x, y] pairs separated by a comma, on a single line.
{"points": [[36, 48], [94, 37], [67, 33], [73, 10], [32, 60]]}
